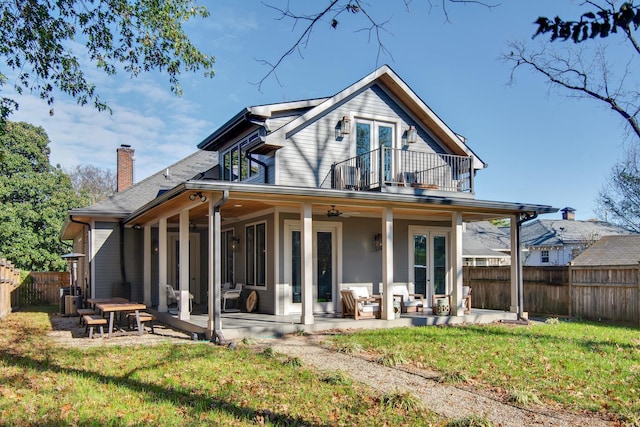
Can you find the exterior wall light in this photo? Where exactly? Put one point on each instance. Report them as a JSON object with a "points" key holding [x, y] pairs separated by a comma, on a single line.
{"points": [[377, 242], [234, 243], [344, 127], [412, 135]]}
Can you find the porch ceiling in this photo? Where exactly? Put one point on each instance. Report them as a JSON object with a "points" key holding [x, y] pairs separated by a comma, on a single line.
{"points": [[245, 200]]}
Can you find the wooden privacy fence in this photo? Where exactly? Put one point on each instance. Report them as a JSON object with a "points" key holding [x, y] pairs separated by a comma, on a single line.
{"points": [[41, 288], [609, 293], [594, 293], [9, 281]]}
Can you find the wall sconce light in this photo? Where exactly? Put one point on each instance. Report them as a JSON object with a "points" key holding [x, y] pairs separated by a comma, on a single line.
{"points": [[234, 243], [199, 194], [344, 127], [333, 212], [377, 242], [412, 135]]}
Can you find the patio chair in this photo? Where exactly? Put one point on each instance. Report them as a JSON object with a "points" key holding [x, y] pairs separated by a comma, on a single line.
{"points": [[231, 294], [466, 299], [174, 296], [409, 303], [359, 307]]}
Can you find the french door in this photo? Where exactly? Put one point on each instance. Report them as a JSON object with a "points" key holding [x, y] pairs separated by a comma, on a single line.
{"points": [[371, 137], [429, 261], [174, 263], [325, 265]]}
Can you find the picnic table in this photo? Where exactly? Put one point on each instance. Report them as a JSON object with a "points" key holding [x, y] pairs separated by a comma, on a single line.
{"points": [[112, 307]]}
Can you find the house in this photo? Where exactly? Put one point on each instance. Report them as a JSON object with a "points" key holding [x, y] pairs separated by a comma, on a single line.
{"points": [[617, 250], [558, 242], [485, 245], [297, 200]]}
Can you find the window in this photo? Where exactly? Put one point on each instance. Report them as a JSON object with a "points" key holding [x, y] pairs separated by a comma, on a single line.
{"points": [[544, 256], [256, 251], [227, 256], [236, 166]]}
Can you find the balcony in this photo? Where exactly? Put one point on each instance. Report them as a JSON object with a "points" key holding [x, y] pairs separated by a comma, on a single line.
{"points": [[386, 168]]}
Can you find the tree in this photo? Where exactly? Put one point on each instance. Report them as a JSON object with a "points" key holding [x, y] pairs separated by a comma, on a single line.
{"points": [[40, 39], [619, 199], [92, 183], [34, 199], [584, 70]]}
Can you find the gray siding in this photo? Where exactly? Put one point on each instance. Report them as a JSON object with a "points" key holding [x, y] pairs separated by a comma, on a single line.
{"points": [[107, 259], [309, 153]]}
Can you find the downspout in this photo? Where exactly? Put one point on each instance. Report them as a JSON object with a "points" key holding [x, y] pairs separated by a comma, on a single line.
{"points": [[520, 291], [217, 336], [88, 273]]}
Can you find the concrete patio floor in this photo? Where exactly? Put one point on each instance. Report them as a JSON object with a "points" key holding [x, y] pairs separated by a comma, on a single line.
{"points": [[240, 325]]}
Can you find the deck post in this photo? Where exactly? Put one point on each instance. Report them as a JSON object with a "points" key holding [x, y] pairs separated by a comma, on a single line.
{"points": [[183, 280], [387, 264], [162, 265], [456, 263], [146, 269], [515, 261], [307, 263]]}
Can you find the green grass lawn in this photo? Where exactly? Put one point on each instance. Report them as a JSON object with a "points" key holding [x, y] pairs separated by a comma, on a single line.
{"points": [[580, 366], [181, 385]]}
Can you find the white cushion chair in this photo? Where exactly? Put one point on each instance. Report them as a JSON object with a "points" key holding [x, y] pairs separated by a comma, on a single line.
{"points": [[359, 307], [231, 294], [409, 303], [172, 295]]}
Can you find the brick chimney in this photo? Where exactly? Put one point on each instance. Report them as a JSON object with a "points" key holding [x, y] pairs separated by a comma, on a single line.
{"points": [[125, 167], [568, 214]]}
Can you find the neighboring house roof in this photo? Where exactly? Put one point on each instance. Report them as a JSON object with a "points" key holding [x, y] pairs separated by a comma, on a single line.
{"points": [[560, 232], [611, 250], [122, 203], [482, 239]]}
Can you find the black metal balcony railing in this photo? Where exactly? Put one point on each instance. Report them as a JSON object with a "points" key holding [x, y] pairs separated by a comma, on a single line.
{"points": [[394, 167]]}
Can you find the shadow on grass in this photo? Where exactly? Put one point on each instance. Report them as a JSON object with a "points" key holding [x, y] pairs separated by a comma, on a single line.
{"points": [[192, 402]]}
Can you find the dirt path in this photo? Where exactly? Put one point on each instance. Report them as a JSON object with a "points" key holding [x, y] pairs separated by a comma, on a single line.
{"points": [[446, 400]]}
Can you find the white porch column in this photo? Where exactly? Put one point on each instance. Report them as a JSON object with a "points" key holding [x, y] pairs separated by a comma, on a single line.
{"points": [[146, 266], [456, 263], [515, 263], [214, 322], [387, 264], [183, 281], [307, 263], [162, 265]]}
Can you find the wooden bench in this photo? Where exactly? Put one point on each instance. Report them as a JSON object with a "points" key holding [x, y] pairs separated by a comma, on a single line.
{"points": [[144, 317], [84, 312], [92, 320]]}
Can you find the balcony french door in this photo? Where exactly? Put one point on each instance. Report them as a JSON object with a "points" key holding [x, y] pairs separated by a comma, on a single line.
{"points": [[370, 136]]}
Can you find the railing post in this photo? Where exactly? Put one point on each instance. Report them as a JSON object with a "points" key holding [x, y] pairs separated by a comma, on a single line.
{"points": [[381, 167], [333, 175], [471, 174]]}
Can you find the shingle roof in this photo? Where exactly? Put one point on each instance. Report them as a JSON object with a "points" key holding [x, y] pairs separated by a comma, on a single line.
{"points": [[611, 250], [483, 239], [552, 232], [140, 193]]}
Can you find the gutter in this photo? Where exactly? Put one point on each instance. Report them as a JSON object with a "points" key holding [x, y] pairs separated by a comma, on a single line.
{"points": [[520, 288]]}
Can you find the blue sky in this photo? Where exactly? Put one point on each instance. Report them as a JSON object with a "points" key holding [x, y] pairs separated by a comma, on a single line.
{"points": [[540, 146]]}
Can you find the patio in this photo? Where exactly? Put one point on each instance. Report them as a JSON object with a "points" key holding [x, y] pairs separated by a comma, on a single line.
{"points": [[241, 325]]}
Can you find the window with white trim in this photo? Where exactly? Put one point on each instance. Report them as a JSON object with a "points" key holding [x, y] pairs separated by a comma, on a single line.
{"points": [[544, 256], [256, 254], [235, 165]]}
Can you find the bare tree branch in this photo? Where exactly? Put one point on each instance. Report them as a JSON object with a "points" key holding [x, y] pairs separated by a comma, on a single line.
{"points": [[333, 13]]}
